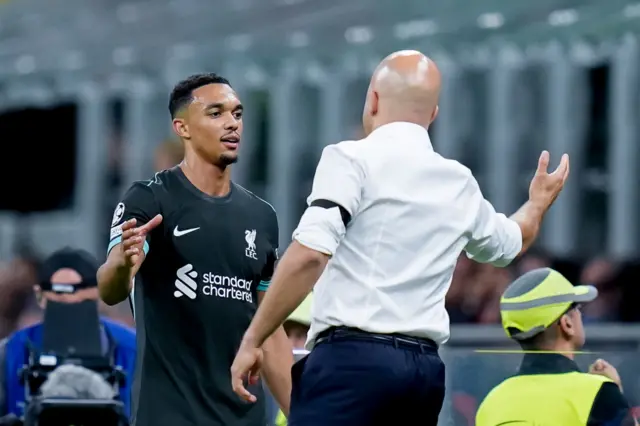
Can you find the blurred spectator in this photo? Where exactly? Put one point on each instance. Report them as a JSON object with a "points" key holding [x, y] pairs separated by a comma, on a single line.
{"points": [[65, 268], [474, 293], [532, 260], [602, 274], [119, 313], [16, 280], [455, 300], [496, 281], [297, 325], [168, 154]]}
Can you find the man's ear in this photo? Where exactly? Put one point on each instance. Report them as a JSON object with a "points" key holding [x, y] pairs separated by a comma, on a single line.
{"points": [[37, 291], [567, 325], [434, 114], [374, 103], [180, 128]]}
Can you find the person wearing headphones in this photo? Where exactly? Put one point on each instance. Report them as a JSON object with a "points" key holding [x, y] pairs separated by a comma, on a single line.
{"points": [[541, 311], [67, 276]]}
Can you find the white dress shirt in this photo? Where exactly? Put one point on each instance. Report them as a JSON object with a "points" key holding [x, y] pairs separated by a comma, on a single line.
{"points": [[412, 212]]}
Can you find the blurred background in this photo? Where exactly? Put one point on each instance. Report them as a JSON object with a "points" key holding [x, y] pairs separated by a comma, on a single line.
{"points": [[83, 112]]}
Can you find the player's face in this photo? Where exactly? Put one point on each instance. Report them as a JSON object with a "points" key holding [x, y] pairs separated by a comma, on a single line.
{"points": [[213, 123]]}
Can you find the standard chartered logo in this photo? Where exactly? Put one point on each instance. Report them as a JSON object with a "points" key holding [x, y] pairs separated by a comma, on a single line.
{"points": [[212, 285], [186, 284]]}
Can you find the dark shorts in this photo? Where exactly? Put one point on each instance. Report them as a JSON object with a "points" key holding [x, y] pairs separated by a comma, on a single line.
{"points": [[353, 379]]}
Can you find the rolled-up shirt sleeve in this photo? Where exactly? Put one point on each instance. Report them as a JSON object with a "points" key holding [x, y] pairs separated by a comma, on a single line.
{"points": [[335, 198], [493, 237]]}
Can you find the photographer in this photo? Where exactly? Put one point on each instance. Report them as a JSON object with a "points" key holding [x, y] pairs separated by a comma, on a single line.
{"points": [[67, 276]]}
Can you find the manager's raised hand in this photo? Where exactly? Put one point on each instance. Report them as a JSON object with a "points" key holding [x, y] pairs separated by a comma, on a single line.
{"points": [[543, 191], [545, 187]]}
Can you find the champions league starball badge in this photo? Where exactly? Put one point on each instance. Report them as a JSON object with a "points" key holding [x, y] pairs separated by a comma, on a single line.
{"points": [[118, 214]]}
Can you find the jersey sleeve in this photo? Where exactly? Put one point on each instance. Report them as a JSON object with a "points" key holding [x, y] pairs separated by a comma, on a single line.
{"points": [[138, 203], [493, 237], [273, 231], [335, 198], [610, 408]]}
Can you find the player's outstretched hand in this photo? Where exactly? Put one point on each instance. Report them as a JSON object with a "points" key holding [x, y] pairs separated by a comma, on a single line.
{"points": [[545, 187], [603, 368], [133, 239], [246, 366]]}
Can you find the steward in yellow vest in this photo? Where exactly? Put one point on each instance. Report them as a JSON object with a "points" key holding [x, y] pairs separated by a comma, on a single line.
{"points": [[540, 310]]}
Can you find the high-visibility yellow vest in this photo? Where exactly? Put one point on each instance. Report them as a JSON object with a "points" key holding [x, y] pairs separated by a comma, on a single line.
{"points": [[541, 400], [281, 420]]}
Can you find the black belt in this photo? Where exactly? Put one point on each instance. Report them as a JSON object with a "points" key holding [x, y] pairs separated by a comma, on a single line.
{"points": [[397, 340]]}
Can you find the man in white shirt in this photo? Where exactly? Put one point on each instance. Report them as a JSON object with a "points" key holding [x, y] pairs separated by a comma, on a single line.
{"points": [[386, 222]]}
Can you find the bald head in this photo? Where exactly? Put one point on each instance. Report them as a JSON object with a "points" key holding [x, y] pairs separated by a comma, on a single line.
{"points": [[404, 87]]}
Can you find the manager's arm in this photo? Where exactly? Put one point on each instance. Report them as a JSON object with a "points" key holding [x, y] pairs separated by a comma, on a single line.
{"points": [[335, 197], [133, 219], [278, 354], [498, 240]]}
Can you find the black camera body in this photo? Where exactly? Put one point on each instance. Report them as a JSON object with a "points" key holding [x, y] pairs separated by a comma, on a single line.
{"points": [[72, 336]]}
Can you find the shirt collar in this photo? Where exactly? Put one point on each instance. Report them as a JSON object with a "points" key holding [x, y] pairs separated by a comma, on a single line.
{"points": [[405, 130], [547, 364]]}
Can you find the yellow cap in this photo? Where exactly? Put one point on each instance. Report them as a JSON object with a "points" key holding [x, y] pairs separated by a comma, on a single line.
{"points": [[302, 314], [537, 299]]}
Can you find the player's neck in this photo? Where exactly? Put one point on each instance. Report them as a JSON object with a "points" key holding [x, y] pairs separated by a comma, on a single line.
{"points": [[208, 178]]}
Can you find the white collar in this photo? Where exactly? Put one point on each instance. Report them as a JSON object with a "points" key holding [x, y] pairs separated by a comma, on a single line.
{"points": [[405, 129]]}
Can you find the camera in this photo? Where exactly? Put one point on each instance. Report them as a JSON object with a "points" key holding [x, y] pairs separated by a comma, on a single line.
{"points": [[72, 378]]}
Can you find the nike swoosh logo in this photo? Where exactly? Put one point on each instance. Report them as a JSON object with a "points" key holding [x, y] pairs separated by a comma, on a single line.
{"points": [[179, 233]]}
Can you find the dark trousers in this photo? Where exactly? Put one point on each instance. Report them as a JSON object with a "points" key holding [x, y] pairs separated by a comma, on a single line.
{"points": [[353, 378]]}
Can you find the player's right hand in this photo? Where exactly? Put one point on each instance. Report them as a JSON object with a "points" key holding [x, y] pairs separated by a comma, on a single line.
{"points": [[133, 240], [545, 187], [603, 368]]}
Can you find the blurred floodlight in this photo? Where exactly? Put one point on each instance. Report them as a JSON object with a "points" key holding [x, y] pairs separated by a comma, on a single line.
{"points": [[564, 17], [412, 29], [358, 35], [490, 20]]}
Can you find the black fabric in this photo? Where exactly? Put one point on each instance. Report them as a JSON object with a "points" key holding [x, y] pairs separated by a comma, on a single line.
{"points": [[326, 204], [194, 297], [610, 408], [547, 364], [366, 383], [79, 260], [398, 340]]}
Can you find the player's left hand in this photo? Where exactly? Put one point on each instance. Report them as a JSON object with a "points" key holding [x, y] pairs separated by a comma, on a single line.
{"points": [[246, 365]]}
